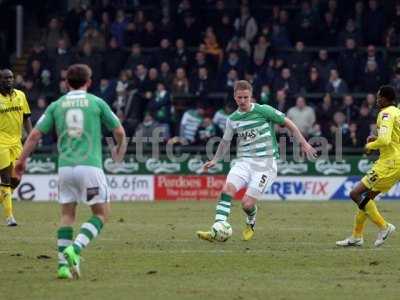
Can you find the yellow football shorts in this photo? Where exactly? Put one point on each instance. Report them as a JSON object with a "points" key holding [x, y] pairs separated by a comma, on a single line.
{"points": [[9, 155], [382, 176]]}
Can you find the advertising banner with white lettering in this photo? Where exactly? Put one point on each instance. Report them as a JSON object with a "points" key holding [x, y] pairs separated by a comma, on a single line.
{"points": [[122, 188]]}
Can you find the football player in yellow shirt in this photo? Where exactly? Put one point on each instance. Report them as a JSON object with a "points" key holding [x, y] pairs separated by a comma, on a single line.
{"points": [[384, 173], [14, 115]]}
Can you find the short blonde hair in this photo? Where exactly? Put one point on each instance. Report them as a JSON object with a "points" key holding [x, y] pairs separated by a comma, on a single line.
{"points": [[242, 85]]}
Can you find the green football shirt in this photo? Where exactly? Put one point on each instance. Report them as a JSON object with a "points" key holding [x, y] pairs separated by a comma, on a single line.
{"points": [[78, 118], [255, 131]]}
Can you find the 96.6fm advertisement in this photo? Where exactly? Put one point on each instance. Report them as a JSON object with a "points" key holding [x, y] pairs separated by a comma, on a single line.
{"points": [[122, 188]]}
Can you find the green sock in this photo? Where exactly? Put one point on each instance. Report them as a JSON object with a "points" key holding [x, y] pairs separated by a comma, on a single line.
{"points": [[88, 232], [223, 208], [64, 239]]}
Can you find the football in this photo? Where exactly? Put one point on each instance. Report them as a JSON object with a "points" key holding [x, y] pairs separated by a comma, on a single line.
{"points": [[222, 231]]}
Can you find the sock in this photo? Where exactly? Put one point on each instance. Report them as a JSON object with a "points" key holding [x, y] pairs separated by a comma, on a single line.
{"points": [[88, 231], [374, 215], [359, 224], [251, 215], [64, 239], [223, 208], [5, 195]]}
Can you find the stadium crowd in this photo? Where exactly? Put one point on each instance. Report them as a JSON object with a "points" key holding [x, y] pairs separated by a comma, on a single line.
{"points": [[321, 62]]}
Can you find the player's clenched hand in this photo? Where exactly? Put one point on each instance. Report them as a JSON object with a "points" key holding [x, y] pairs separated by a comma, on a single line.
{"points": [[209, 165], [309, 150], [118, 153], [371, 138], [19, 168]]}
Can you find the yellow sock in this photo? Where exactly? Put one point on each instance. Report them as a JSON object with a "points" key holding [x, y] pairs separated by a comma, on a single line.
{"points": [[374, 215], [5, 195], [359, 224]]}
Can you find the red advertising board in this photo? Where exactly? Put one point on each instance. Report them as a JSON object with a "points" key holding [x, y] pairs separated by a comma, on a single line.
{"points": [[201, 187]]}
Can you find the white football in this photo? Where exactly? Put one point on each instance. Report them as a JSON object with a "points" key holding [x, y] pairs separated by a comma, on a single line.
{"points": [[222, 231]]}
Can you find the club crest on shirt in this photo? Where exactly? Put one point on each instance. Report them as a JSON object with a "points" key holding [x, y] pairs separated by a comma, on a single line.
{"points": [[385, 116]]}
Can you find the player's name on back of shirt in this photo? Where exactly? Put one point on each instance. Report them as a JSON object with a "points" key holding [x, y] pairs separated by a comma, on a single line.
{"points": [[75, 102]]}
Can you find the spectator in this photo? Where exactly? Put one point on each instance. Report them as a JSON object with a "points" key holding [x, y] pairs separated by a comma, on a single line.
{"points": [[180, 83], [38, 53], [189, 31], [325, 111], [314, 83], [105, 26], [92, 59], [221, 116], [38, 109], [305, 23], [363, 123], [303, 116], [231, 78], [153, 80], [150, 37], [265, 95], [131, 34], [299, 63], [225, 30], [246, 24], [141, 79], [374, 23], [160, 105], [392, 37], [190, 122], [150, 130], [72, 22], [329, 31], [324, 65], [286, 82], [34, 71], [181, 55], [95, 38], [336, 85], [87, 22], [165, 53], [371, 103], [233, 62], [201, 84], [106, 90], [395, 81], [348, 63], [113, 59], [200, 61], [135, 58], [212, 48], [372, 56], [353, 138], [280, 36], [359, 15], [119, 26], [205, 131], [350, 32], [339, 129], [165, 73], [372, 79], [262, 50], [349, 109], [53, 34], [281, 102], [61, 58]]}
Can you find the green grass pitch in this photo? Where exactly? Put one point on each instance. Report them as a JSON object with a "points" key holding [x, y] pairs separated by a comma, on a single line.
{"points": [[150, 251]]}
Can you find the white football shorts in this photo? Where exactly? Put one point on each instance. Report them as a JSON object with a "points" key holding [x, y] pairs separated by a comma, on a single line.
{"points": [[255, 174], [85, 184]]}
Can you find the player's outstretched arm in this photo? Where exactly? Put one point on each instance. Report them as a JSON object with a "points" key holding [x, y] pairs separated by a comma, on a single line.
{"points": [[222, 149], [305, 146], [29, 146], [119, 150]]}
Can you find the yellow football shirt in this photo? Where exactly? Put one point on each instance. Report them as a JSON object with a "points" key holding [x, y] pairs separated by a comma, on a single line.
{"points": [[12, 110], [388, 140]]}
